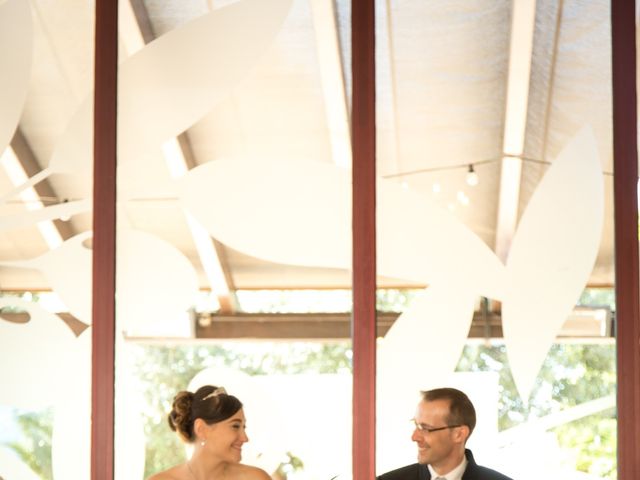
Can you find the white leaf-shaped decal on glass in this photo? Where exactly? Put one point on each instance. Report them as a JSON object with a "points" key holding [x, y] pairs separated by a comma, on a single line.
{"points": [[71, 439], [301, 213], [552, 256], [71, 435], [173, 82], [149, 302], [430, 333], [420, 351], [35, 356], [16, 46], [297, 212], [146, 301], [178, 78], [72, 284], [31, 217], [420, 241], [291, 212]]}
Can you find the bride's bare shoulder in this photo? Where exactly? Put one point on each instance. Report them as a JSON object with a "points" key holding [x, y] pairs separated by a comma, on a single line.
{"points": [[174, 473], [248, 472]]}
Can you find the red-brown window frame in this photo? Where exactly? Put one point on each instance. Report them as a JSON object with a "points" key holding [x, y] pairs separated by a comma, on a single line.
{"points": [[364, 248], [363, 127], [625, 181]]}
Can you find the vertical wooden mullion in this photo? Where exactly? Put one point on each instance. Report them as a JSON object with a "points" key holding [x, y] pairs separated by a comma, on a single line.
{"points": [[104, 243], [625, 160], [364, 239]]}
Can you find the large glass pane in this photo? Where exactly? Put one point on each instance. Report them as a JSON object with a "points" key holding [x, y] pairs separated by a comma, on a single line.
{"points": [[234, 230], [496, 230], [46, 158]]}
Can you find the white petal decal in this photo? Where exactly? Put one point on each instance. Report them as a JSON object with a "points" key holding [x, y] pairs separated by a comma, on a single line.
{"points": [[36, 356], [71, 436], [165, 87], [71, 440], [147, 302], [421, 242], [286, 212], [419, 352], [552, 256], [301, 214], [30, 218], [431, 332], [155, 285], [163, 90], [130, 439], [16, 47], [73, 285]]}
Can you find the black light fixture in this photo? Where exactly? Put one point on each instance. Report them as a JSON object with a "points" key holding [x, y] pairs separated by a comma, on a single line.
{"points": [[472, 177]]}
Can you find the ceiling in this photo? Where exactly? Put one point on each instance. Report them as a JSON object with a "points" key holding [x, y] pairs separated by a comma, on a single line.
{"points": [[488, 83]]}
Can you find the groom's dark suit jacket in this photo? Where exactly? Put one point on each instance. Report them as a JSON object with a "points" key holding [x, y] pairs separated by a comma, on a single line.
{"points": [[421, 472]]}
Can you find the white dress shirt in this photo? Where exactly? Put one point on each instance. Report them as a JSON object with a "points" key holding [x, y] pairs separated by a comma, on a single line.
{"points": [[455, 474]]}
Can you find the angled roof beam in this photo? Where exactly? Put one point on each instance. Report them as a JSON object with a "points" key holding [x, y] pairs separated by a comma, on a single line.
{"points": [[135, 32], [523, 18], [386, 94], [333, 87], [19, 162], [29, 163], [29, 197]]}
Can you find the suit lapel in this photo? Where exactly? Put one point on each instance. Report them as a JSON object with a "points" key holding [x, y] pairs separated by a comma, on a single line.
{"points": [[423, 472]]}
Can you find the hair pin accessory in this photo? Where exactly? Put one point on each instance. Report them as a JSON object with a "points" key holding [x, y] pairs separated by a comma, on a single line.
{"points": [[215, 393]]}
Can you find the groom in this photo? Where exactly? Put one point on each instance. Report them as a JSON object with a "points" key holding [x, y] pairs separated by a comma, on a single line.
{"points": [[444, 420]]}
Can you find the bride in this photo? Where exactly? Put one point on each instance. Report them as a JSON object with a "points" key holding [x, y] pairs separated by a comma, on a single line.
{"points": [[214, 423]]}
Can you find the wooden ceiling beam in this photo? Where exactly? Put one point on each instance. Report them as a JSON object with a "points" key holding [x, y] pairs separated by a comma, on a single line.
{"points": [[311, 326], [136, 31], [230, 300], [523, 18], [333, 84], [337, 326], [45, 191], [143, 21]]}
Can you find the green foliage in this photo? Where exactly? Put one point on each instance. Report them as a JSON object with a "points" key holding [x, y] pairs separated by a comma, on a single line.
{"points": [[395, 300], [598, 297], [34, 449], [286, 301], [571, 374], [593, 440], [293, 464]]}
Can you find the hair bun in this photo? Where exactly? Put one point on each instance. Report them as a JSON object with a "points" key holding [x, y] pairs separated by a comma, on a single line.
{"points": [[180, 418], [209, 403]]}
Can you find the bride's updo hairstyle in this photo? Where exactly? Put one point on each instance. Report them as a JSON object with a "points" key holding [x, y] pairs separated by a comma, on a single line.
{"points": [[211, 404]]}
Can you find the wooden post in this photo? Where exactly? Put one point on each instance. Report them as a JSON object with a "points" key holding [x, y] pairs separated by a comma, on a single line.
{"points": [[625, 162], [104, 240], [364, 238]]}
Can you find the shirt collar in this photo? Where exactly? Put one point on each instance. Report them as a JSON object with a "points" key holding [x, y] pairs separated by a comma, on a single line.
{"points": [[455, 474]]}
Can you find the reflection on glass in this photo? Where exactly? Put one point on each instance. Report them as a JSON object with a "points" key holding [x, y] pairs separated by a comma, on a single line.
{"points": [[495, 208], [233, 227], [45, 217]]}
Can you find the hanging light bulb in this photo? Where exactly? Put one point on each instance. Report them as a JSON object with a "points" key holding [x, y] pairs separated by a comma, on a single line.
{"points": [[472, 177], [65, 217]]}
